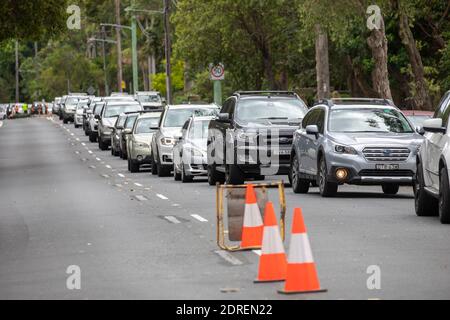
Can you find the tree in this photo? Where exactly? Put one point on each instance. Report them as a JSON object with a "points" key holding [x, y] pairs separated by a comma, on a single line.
{"points": [[32, 19]]}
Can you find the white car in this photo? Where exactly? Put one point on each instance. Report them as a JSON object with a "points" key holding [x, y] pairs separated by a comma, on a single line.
{"points": [[432, 186]]}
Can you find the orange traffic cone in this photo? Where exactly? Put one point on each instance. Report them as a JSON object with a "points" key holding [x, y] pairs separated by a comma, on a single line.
{"points": [[272, 263], [301, 274], [252, 228]]}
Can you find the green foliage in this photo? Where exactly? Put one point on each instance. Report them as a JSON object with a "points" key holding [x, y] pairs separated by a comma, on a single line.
{"points": [[159, 79], [32, 19]]}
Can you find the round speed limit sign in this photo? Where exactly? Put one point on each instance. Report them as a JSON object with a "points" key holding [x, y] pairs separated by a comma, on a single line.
{"points": [[217, 72]]}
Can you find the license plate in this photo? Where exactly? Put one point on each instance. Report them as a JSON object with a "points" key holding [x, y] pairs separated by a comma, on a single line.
{"points": [[387, 167], [281, 152]]}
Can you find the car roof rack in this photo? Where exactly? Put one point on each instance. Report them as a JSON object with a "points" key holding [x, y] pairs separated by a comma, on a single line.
{"points": [[340, 101], [268, 93]]}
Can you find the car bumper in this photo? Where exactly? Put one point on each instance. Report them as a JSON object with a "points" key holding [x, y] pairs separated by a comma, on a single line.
{"points": [[141, 155], [263, 161], [78, 120], [165, 155], [362, 172]]}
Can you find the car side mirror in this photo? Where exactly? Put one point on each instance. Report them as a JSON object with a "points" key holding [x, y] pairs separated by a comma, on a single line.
{"points": [[224, 117], [127, 131], [420, 130], [312, 130], [434, 126], [97, 116], [154, 128], [119, 127]]}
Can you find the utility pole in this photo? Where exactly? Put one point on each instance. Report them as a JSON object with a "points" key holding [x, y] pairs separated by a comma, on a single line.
{"points": [[17, 71], [168, 49], [104, 61], [119, 47], [134, 51]]}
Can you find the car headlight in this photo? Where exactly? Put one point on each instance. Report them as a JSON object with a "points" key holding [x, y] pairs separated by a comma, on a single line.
{"points": [[341, 149], [168, 141]]}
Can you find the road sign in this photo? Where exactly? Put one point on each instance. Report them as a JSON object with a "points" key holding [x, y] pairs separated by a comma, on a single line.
{"points": [[124, 85], [217, 72]]}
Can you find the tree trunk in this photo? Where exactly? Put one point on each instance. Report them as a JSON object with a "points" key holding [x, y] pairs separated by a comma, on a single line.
{"points": [[268, 67], [322, 64], [377, 42], [421, 96]]}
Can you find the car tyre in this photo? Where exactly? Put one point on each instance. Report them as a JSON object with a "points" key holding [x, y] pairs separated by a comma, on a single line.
{"points": [[185, 178], [444, 197], [425, 204], [326, 188], [234, 175], [163, 171], [102, 146], [214, 176], [133, 166], [299, 185], [176, 174], [390, 189], [92, 137], [154, 166]]}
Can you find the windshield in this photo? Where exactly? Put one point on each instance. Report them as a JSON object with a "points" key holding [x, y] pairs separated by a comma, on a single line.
{"points": [[368, 120], [176, 118], [152, 98], [115, 110], [144, 125], [72, 100], [199, 130], [98, 108], [82, 105], [271, 109], [129, 123]]}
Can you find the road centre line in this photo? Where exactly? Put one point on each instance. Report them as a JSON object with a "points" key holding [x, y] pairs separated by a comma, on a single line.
{"points": [[172, 219], [199, 218], [228, 257], [161, 196]]}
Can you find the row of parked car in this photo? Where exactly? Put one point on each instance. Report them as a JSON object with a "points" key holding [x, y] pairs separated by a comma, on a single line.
{"points": [[254, 134]]}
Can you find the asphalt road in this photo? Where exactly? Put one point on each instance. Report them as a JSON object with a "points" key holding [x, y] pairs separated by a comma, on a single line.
{"points": [[64, 202]]}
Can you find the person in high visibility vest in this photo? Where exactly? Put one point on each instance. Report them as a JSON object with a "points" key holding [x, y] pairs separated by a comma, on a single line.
{"points": [[25, 108]]}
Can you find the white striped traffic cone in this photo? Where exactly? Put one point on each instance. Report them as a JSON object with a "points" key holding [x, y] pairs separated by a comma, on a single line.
{"points": [[252, 228]]}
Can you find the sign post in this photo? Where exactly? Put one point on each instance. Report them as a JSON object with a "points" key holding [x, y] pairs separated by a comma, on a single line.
{"points": [[217, 74]]}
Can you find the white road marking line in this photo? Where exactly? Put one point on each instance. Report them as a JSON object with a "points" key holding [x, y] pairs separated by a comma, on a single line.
{"points": [[199, 218], [105, 176], [118, 185], [89, 151], [257, 252], [141, 198], [92, 167], [172, 219], [108, 166], [83, 144], [72, 134], [161, 196], [138, 184], [228, 257], [77, 152], [98, 159], [121, 175], [77, 139]]}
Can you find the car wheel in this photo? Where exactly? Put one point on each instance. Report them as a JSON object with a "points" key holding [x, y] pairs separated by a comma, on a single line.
{"points": [[133, 167], [214, 176], [444, 197], [154, 166], [112, 151], [176, 174], [425, 204], [92, 137], [234, 175], [327, 189], [65, 121], [162, 171], [390, 189], [101, 144], [184, 177], [299, 185]]}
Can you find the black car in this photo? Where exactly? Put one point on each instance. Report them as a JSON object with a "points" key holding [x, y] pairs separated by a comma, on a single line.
{"points": [[252, 136]]}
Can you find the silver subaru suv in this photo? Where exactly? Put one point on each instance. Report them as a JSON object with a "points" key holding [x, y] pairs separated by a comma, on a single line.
{"points": [[354, 141]]}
